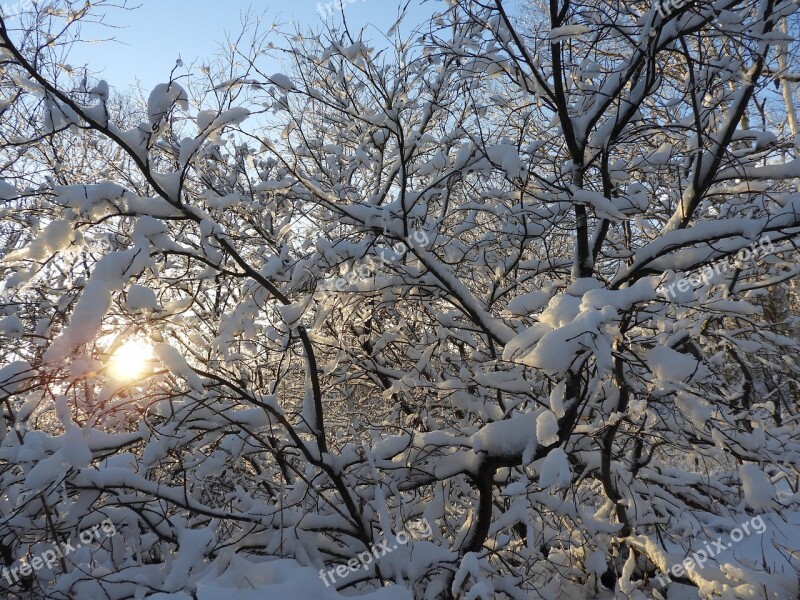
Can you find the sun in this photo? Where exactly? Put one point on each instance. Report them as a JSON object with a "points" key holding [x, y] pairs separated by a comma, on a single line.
{"points": [[131, 360]]}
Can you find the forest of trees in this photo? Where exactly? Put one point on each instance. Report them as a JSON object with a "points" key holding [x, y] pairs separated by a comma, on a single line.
{"points": [[503, 305]]}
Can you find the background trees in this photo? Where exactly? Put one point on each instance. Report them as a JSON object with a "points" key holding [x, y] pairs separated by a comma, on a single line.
{"points": [[511, 190]]}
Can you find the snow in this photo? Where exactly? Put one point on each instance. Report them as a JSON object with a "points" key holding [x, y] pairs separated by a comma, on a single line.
{"points": [[507, 157], [596, 563], [509, 437], [8, 191], [75, 449], [567, 31], [91, 201], [471, 368], [746, 568], [555, 469], [192, 547], [557, 399], [163, 97], [13, 375], [152, 207], [759, 493], [469, 576], [170, 184], [45, 472], [142, 298], [137, 140], [553, 343], [635, 201], [603, 207], [293, 313], [55, 237], [101, 90], [531, 302], [205, 118], [12, 327], [209, 120], [27, 84], [557, 349], [95, 300], [282, 81], [670, 365], [547, 428], [175, 362], [235, 575]]}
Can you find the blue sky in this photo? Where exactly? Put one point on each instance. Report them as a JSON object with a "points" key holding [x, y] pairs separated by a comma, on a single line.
{"points": [[149, 39]]}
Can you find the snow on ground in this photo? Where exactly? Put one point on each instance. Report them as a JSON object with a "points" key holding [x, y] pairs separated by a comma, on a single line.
{"points": [[278, 579]]}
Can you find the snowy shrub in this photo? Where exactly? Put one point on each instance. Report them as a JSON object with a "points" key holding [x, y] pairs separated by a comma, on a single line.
{"points": [[176, 357]]}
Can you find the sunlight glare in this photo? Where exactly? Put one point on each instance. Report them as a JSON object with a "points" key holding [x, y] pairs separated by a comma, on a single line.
{"points": [[130, 361]]}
